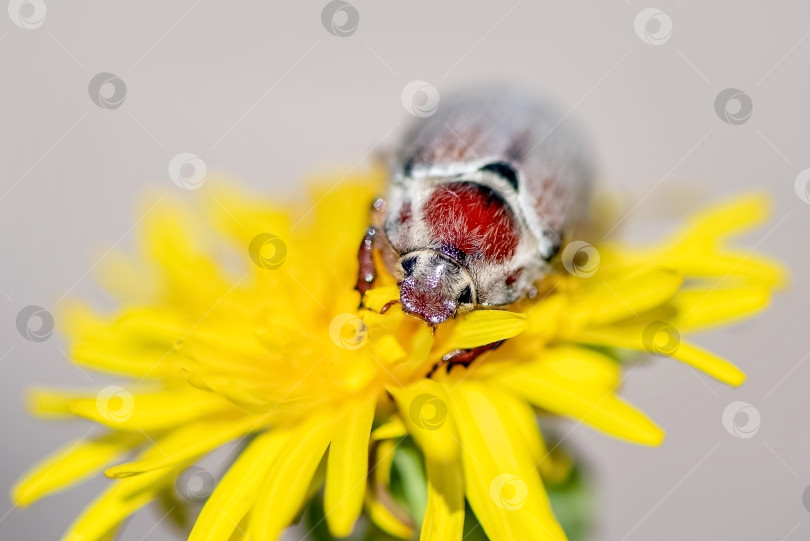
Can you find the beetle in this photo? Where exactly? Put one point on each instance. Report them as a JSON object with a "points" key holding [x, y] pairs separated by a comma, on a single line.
{"points": [[480, 196]]}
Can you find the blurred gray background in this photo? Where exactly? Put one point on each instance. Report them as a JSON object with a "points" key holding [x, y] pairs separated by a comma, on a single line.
{"points": [[261, 91]]}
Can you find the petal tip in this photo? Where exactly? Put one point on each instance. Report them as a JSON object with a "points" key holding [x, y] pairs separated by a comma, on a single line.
{"points": [[18, 499]]}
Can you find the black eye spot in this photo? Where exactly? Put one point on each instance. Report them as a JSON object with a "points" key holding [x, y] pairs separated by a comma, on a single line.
{"points": [[408, 264], [555, 249], [466, 296], [503, 170], [407, 167]]}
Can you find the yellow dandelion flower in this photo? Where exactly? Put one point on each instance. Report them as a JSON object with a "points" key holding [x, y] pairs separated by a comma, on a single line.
{"points": [[254, 335]]}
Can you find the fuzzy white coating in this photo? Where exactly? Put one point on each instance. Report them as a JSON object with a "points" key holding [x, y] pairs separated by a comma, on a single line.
{"points": [[552, 166]]}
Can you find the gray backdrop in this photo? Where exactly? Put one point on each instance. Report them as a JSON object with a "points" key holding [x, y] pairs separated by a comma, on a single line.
{"points": [[264, 92]]}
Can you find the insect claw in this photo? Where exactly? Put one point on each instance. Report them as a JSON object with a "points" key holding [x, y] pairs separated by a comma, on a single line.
{"points": [[387, 306]]}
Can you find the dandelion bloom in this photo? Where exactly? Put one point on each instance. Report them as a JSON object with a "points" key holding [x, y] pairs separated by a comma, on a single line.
{"points": [[239, 323]]}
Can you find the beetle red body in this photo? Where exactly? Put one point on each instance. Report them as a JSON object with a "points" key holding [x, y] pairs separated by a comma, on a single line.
{"points": [[480, 195]]}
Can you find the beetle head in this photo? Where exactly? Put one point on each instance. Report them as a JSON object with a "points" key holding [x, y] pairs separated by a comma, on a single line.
{"points": [[434, 287]]}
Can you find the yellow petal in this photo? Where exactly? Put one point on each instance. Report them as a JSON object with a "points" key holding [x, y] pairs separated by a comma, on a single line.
{"points": [[595, 406], [236, 493], [117, 503], [579, 364], [625, 297], [194, 280], [392, 428], [444, 517], [728, 218], [52, 403], [70, 465], [708, 363], [240, 533], [376, 298], [481, 327], [545, 318], [98, 344], [386, 520], [553, 464], [347, 467], [730, 265], [419, 359], [379, 504], [150, 324], [425, 409], [128, 279], [387, 349], [633, 338], [117, 408], [188, 443], [525, 424], [502, 483], [287, 481], [244, 217], [705, 308], [117, 357], [384, 457]]}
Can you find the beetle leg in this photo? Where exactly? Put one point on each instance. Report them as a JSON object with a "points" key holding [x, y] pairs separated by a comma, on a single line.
{"points": [[366, 272], [464, 356]]}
